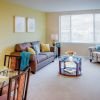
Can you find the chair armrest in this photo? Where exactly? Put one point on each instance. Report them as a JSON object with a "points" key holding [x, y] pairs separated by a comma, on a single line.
{"points": [[91, 50], [15, 53], [52, 49]]}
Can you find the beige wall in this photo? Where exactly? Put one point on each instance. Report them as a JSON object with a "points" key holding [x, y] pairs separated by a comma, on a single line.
{"points": [[53, 27], [8, 38]]}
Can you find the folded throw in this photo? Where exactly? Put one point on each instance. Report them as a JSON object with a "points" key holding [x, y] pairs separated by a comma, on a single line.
{"points": [[25, 57]]}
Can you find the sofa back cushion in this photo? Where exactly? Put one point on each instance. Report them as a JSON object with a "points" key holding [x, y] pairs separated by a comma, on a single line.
{"points": [[36, 46], [22, 47]]}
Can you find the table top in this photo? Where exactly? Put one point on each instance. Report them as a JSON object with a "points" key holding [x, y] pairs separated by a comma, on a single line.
{"points": [[3, 68], [65, 58], [5, 74]]}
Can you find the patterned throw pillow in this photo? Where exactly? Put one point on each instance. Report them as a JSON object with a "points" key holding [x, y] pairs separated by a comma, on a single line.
{"points": [[45, 47], [98, 48]]}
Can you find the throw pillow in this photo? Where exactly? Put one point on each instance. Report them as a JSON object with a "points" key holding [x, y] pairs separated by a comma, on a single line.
{"points": [[31, 50], [36, 47], [98, 48], [45, 47]]}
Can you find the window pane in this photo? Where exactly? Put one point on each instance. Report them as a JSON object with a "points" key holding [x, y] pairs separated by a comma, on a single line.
{"points": [[97, 28], [82, 28], [65, 28]]}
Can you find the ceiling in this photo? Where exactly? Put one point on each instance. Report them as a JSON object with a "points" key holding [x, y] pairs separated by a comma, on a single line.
{"points": [[59, 5]]}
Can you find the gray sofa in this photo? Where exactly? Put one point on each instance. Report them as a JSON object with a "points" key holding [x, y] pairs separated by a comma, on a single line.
{"points": [[94, 55], [37, 61]]}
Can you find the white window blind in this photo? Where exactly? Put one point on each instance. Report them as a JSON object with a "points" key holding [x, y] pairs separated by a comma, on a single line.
{"points": [[83, 28], [65, 28], [97, 28]]}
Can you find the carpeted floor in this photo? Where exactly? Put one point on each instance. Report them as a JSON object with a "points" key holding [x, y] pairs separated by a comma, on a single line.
{"points": [[47, 84]]}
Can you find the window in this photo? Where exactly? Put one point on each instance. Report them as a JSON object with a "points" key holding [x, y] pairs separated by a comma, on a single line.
{"points": [[65, 28], [84, 28], [97, 28]]}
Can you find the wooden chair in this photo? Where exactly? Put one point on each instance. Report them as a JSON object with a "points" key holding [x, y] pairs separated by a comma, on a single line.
{"points": [[12, 62], [20, 87]]}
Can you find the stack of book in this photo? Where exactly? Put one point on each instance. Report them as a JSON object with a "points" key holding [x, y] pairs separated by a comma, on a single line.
{"points": [[70, 70]]}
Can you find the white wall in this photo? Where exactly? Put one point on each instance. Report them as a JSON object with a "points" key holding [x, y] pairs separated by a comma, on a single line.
{"points": [[8, 38], [81, 49], [53, 27]]}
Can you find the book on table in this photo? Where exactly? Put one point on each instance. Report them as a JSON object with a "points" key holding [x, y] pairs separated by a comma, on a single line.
{"points": [[69, 69]]}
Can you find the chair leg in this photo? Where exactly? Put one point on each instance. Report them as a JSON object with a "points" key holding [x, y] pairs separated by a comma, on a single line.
{"points": [[90, 60], [32, 72]]}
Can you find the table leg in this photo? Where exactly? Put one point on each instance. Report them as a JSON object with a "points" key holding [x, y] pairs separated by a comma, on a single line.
{"points": [[59, 67], [77, 69]]}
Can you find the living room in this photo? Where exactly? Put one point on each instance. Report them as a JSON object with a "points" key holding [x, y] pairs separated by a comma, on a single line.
{"points": [[47, 15]]}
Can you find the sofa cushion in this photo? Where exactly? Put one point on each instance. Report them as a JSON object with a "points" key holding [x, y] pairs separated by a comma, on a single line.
{"points": [[41, 58], [48, 54], [36, 46], [22, 47]]}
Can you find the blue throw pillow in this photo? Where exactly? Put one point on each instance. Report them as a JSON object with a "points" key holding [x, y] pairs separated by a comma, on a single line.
{"points": [[98, 48], [37, 48]]}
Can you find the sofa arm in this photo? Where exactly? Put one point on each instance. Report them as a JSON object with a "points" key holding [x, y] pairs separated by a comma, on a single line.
{"points": [[33, 63], [33, 57], [52, 49], [91, 49]]}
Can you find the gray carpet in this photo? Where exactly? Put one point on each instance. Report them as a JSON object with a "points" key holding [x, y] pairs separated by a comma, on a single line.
{"points": [[47, 84]]}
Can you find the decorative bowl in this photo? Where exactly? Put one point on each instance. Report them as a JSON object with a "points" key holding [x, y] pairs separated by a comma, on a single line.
{"points": [[70, 53]]}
